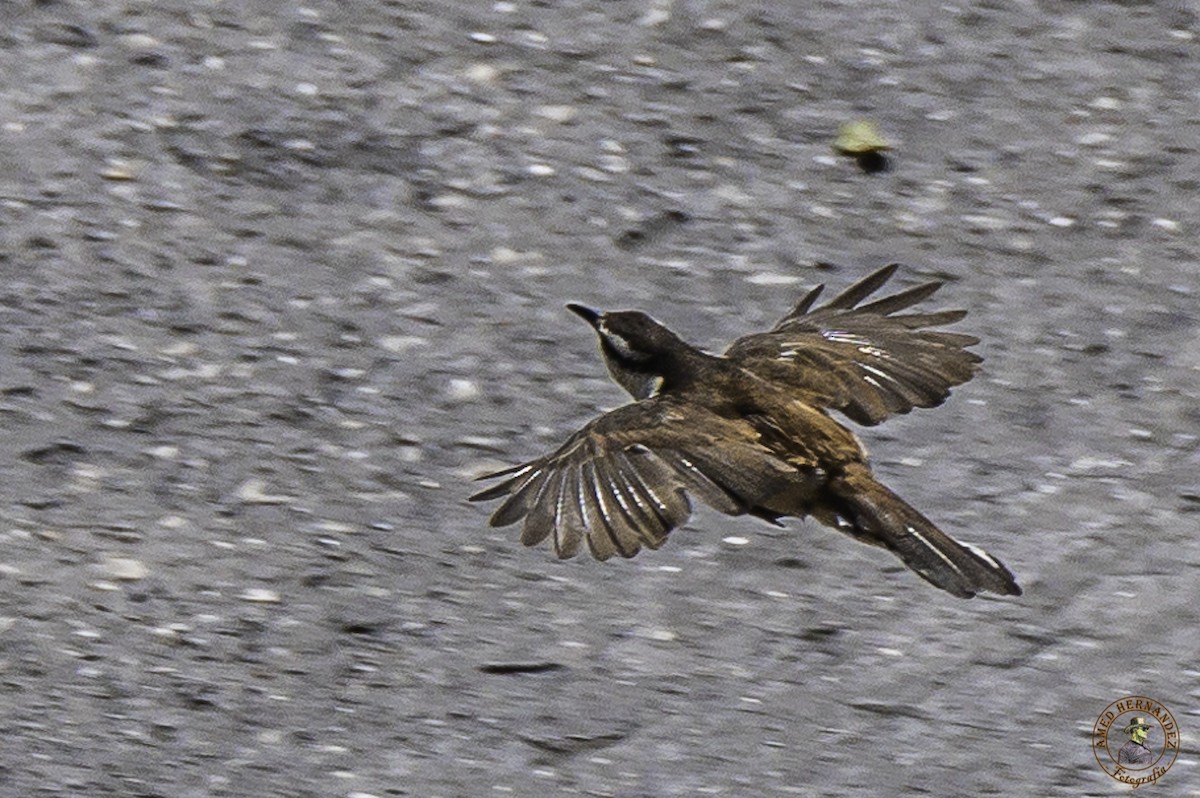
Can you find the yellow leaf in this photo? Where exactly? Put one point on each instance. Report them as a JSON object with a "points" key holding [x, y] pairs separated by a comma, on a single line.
{"points": [[859, 137]]}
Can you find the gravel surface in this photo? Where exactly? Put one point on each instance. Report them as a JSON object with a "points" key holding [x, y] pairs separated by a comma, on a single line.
{"points": [[278, 280]]}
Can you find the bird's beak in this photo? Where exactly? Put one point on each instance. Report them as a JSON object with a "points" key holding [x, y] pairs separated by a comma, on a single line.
{"points": [[592, 317]]}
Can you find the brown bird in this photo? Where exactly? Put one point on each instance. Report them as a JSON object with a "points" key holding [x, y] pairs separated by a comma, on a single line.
{"points": [[749, 432]]}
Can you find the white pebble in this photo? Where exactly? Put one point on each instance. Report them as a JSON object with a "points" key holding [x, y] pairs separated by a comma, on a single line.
{"points": [[461, 390], [557, 113], [984, 222], [253, 491], [661, 635], [482, 73], [125, 568], [401, 343], [1093, 139], [772, 278], [260, 595]]}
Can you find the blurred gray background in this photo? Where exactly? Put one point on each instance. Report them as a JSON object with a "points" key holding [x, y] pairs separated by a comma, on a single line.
{"points": [[279, 279]]}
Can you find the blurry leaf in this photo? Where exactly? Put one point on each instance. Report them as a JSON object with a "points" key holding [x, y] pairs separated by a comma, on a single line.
{"points": [[859, 137]]}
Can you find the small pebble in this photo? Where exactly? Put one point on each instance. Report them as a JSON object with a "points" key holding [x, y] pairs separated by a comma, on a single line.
{"points": [[773, 278], [118, 173], [661, 635], [462, 390], [138, 41], [482, 73], [260, 595], [253, 491], [1093, 139], [401, 343], [557, 113], [125, 569]]}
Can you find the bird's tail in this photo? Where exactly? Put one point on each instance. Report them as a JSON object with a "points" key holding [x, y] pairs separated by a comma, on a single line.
{"points": [[868, 511]]}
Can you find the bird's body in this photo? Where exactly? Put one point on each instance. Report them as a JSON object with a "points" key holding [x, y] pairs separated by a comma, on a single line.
{"points": [[749, 432]]}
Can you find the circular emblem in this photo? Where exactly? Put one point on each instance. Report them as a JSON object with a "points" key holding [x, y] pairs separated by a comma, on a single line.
{"points": [[1136, 740]]}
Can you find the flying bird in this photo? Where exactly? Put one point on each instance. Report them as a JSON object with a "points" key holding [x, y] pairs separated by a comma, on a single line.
{"points": [[750, 432]]}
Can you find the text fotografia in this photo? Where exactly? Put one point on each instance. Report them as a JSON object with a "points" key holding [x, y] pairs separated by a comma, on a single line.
{"points": [[1123, 775]]}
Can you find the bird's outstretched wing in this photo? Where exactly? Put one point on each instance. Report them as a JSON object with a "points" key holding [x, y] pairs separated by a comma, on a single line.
{"points": [[622, 482], [868, 361]]}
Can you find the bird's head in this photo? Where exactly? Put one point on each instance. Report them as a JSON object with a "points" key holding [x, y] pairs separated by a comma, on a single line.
{"points": [[640, 353]]}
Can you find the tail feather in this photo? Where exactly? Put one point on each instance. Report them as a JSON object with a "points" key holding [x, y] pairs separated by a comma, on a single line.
{"points": [[871, 513]]}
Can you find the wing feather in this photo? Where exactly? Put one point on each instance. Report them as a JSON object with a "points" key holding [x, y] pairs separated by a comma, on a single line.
{"points": [[863, 288], [602, 537], [570, 523], [869, 361], [623, 481], [622, 511], [650, 524], [542, 513]]}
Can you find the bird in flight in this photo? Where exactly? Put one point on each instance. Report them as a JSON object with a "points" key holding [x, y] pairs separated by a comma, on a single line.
{"points": [[749, 432]]}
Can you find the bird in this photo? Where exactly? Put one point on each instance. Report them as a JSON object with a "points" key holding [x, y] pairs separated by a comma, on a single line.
{"points": [[752, 432]]}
